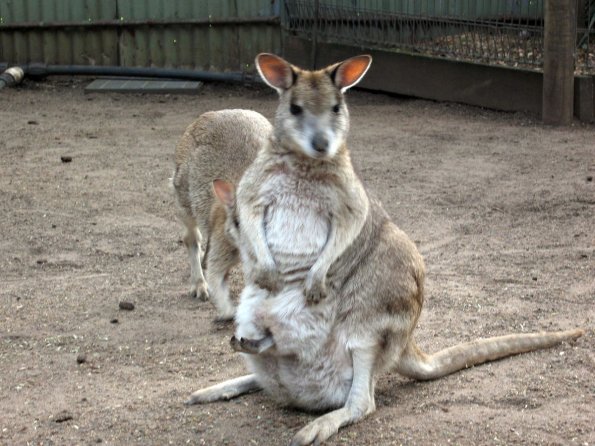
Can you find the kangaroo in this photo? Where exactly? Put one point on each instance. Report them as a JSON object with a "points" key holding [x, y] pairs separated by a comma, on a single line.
{"points": [[334, 288], [219, 144]]}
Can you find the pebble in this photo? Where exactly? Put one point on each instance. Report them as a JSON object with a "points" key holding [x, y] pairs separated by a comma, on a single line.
{"points": [[128, 306], [63, 416], [66, 158], [81, 359]]}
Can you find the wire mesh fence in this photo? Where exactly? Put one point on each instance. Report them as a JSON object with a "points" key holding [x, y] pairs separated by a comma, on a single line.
{"points": [[501, 32], [585, 54]]}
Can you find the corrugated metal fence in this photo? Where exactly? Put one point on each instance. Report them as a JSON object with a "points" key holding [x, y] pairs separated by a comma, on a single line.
{"points": [[217, 35]]}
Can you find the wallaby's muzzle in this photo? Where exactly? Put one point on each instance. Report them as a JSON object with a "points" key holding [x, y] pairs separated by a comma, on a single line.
{"points": [[320, 144]]}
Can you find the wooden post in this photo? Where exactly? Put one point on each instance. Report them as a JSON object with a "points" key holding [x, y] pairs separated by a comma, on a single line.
{"points": [[558, 61], [313, 54]]}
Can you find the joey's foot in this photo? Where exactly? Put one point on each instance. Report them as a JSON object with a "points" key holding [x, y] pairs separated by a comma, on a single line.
{"points": [[243, 345], [251, 346], [315, 292], [267, 279]]}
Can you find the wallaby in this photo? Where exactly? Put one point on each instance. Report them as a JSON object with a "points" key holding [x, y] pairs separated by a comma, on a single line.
{"points": [[219, 144], [334, 289]]}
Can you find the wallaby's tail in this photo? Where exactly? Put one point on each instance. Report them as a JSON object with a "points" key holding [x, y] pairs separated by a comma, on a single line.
{"points": [[416, 364]]}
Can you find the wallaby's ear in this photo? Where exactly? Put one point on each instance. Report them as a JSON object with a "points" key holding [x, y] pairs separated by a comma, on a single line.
{"points": [[349, 72], [276, 72], [225, 192]]}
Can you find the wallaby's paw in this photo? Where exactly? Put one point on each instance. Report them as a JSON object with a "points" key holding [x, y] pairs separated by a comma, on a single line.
{"points": [[200, 293], [315, 292], [315, 433], [268, 279]]}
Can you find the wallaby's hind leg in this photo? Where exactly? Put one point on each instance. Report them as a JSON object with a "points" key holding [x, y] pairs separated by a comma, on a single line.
{"points": [[360, 403], [225, 390], [222, 256], [192, 241]]}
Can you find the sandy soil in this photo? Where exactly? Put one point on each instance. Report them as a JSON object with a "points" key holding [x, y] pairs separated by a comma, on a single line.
{"points": [[501, 207]]}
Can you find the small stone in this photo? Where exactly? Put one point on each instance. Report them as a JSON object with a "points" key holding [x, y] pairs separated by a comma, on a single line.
{"points": [[590, 178], [66, 158], [32, 122], [128, 306], [81, 359], [63, 416], [114, 321]]}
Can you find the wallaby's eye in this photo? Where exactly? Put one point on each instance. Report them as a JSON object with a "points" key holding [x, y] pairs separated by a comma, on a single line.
{"points": [[336, 108], [295, 110], [236, 222]]}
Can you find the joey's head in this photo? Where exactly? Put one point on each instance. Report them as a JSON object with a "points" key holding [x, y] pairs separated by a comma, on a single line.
{"points": [[225, 193], [312, 116]]}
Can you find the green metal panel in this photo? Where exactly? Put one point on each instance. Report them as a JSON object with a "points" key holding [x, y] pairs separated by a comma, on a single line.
{"points": [[218, 35], [217, 47], [257, 38], [18, 11], [57, 46]]}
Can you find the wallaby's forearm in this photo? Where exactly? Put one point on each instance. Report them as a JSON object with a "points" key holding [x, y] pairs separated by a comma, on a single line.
{"points": [[345, 226]]}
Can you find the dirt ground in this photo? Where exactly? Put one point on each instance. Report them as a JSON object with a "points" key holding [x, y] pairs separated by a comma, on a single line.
{"points": [[501, 207]]}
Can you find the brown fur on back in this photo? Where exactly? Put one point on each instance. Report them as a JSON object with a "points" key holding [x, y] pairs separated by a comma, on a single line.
{"points": [[218, 145]]}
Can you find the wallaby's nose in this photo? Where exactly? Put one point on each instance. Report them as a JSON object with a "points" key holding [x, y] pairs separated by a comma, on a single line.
{"points": [[320, 143]]}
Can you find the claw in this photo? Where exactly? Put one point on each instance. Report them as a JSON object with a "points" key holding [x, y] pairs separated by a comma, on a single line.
{"points": [[315, 292]]}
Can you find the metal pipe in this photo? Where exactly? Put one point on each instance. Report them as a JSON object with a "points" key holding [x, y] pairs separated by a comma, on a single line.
{"points": [[11, 76], [14, 75], [42, 70], [20, 26]]}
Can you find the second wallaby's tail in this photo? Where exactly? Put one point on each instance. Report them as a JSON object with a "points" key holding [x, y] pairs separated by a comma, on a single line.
{"points": [[416, 364]]}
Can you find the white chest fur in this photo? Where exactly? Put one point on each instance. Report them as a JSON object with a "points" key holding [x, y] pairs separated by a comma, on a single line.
{"points": [[297, 223]]}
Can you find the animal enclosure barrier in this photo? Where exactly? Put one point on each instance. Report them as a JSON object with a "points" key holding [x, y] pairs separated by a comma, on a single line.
{"points": [[490, 53], [499, 32]]}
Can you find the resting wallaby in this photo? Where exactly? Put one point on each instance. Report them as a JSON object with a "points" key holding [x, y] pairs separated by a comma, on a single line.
{"points": [[219, 144], [334, 289]]}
